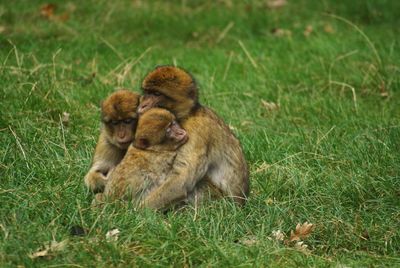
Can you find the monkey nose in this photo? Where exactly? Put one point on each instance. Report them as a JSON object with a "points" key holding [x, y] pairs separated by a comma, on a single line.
{"points": [[142, 108]]}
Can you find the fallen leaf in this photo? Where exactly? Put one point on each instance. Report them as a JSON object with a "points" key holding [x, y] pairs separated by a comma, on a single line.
{"points": [[249, 241], [47, 10], [112, 235], [58, 246], [278, 235], [309, 29], [65, 118], [274, 4], [302, 231], [37, 254], [301, 247], [270, 106], [50, 248]]}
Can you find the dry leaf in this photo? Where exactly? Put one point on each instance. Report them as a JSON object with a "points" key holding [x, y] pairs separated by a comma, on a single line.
{"points": [[273, 4], [65, 118], [2, 29], [249, 241], [309, 29], [52, 247], [302, 231], [270, 106], [278, 235], [301, 247], [47, 10], [112, 235]]}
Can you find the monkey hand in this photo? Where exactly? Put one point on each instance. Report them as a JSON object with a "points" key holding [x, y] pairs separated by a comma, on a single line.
{"points": [[95, 181]]}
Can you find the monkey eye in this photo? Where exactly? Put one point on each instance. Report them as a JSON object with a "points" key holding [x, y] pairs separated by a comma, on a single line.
{"points": [[114, 122], [128, 121], [156, 93]]}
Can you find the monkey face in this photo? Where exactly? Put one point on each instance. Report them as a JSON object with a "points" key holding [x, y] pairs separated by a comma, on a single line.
{"points": [[170, 88], [158, 130], [120, 118], [121, 132]]}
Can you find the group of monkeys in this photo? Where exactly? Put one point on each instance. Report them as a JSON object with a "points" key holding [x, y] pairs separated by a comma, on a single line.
{"points": [[164, 148]]}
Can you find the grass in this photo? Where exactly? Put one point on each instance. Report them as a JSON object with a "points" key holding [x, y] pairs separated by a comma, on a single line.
{"points": [[329, 155]]}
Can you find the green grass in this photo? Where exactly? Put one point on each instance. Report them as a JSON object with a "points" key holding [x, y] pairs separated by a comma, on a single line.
{"points": [[330, 155]]}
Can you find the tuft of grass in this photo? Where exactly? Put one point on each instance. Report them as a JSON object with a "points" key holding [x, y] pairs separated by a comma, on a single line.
{"points": [[327, 152]]}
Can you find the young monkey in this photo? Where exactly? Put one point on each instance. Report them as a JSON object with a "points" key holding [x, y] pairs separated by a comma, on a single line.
{"points": [[150, 158], [119, 118]]}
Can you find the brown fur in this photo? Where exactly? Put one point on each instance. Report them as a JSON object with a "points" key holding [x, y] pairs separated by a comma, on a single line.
{"points": [[121, 105], [164, 78], [212, 150], [143, 169]]}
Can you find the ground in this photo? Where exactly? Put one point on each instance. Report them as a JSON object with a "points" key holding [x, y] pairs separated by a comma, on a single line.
{"points": [[311, 88]]}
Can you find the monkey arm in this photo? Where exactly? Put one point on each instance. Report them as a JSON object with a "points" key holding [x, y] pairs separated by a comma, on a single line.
{"points": [[106, 157], [190, 166]]}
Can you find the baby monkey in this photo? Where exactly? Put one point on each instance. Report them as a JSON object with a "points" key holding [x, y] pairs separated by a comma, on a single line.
{"points": [[119, 118], [148, 160]]}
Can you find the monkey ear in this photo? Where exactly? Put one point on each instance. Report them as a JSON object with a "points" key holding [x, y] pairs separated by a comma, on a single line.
{"points": [[142, 143]]}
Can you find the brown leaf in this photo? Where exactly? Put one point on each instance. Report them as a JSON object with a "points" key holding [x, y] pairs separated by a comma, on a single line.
{"points": [[50, 248], [112, 235], [278, 235], [47, 10], [274, 4], [65, 118], [302, 231], [249, 241], [300, 246]]}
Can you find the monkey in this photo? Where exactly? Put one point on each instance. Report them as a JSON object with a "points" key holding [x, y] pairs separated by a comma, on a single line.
{"points": [[149, 158], [212, 151], [119, 119]]}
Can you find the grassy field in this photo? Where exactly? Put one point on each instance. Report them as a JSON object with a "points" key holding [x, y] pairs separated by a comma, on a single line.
{"points": [[311, 88]]}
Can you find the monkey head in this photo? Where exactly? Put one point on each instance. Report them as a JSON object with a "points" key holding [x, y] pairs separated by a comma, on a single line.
{"points": [[158, 130], [118, 113], [170, 88]]}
